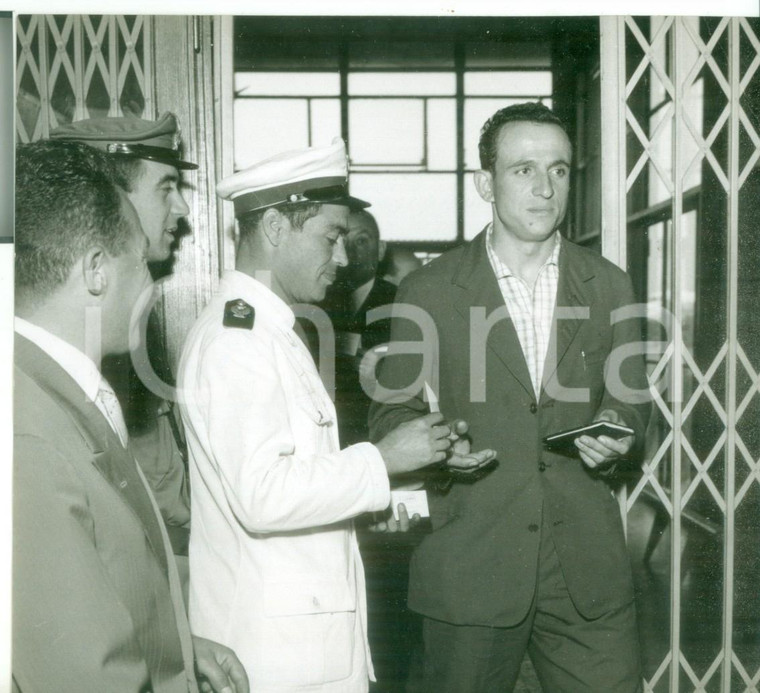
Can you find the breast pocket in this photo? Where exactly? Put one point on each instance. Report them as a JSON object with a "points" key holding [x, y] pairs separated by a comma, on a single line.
{"points": [[592, 371], [308, 636]]}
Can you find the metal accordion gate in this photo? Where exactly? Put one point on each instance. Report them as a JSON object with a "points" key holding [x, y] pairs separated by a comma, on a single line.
{"points": [[70, 67], [681, 196]]}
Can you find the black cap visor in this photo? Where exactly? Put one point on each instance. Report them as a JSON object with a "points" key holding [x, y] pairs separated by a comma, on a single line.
{"points": [[161, 155]]}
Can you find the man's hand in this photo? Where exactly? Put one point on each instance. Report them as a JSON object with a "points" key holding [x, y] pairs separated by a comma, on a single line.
{"points": [[219, 669], [601, 451], [415, 444], [460, 458], [389, 524]]}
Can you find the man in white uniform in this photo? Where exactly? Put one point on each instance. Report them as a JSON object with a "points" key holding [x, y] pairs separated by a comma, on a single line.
{"points": [[274, 563]]}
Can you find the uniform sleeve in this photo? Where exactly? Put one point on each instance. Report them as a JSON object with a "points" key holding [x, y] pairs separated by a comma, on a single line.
{"points": [[70, 631], [276, 478]]}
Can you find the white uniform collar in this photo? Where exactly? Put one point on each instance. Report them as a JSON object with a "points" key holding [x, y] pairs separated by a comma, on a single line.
{"points": [[75, 362]]}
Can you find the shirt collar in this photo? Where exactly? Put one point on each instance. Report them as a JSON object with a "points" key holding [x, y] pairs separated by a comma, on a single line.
{"points": [[502, 270], [75, 362], [269, 306]]}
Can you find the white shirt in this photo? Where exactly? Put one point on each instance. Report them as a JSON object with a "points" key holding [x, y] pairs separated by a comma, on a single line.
{"points": [[274, 563], [530, 308], [82, 370]]}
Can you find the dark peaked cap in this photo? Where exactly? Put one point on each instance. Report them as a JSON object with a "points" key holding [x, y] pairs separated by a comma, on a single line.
{"points": [[152, 140]]}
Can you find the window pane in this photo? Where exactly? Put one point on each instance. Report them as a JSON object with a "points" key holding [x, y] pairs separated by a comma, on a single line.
{"points": [[694, 106], [386, 131], [410, 206], [531, 84], [442, 134], [325, 121], [287, 83], [476, 113], [477, 212], [265, 127], [662, 153], [402, 83]]}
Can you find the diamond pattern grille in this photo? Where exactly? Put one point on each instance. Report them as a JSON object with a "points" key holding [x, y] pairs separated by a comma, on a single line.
{"points": [[671, 143], [71, 67]]}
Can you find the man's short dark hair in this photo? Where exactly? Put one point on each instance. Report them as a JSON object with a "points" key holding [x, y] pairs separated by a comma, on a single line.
{"points": [[297, 213], [67, 201], [126, 170], [364, 214], [531, 112]]}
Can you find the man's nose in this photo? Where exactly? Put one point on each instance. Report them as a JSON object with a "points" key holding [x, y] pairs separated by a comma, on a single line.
{"points": [[542, 186], [340, 257], [179, 206]]}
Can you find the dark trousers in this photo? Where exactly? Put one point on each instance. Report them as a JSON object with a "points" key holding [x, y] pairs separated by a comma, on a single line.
{"points": [[571, 654]]}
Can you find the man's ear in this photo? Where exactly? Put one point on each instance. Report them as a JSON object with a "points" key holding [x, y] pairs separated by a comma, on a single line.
{"points": [[382, 246], [273, 225], [94, 270], [484, 185]]}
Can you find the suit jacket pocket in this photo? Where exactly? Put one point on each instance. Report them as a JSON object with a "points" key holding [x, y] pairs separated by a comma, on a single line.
{"points": [[307, 634]]}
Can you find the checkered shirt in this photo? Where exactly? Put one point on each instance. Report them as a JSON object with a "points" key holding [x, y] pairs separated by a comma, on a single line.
{"points": [[531, 308]]}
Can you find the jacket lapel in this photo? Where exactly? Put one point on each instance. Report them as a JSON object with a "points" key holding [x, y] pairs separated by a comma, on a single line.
{"points": [[480, 289], [109, 457], [571, 307]]}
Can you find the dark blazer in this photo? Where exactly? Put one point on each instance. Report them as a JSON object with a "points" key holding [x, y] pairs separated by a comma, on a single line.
{"points": [[96, 602], [478, 567], [351, 402]]}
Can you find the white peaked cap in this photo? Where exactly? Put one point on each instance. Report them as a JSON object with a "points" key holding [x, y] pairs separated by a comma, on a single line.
{"points": [[314, 174]]}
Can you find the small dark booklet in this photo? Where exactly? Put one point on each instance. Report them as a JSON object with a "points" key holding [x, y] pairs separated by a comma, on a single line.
{"points": [[596, 429]]}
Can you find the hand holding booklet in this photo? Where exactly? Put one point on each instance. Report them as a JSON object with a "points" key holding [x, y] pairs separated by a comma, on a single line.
{"points": [[564, 439]]}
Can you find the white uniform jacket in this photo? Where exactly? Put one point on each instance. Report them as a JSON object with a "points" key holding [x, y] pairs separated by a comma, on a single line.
{"points": [[274, 563]]}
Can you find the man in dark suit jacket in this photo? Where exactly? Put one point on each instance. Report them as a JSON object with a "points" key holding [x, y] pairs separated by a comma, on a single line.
{"points": [[358, 289], [532, 555], [97, 604]]}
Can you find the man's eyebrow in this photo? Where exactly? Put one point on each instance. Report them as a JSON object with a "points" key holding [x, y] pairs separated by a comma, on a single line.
{"points": [[168, 178], [532, 162], [521, 162]]}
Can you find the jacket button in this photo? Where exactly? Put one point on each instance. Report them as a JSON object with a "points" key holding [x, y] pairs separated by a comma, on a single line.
{"points": [[542, 466], [533, 408], [533, 528]]}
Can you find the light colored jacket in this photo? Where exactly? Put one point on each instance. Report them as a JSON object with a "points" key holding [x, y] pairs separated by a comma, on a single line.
{"points": [[274, 563], [97, 604]]}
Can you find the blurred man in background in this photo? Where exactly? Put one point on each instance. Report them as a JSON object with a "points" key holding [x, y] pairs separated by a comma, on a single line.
{"points": [[397, 263]]}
